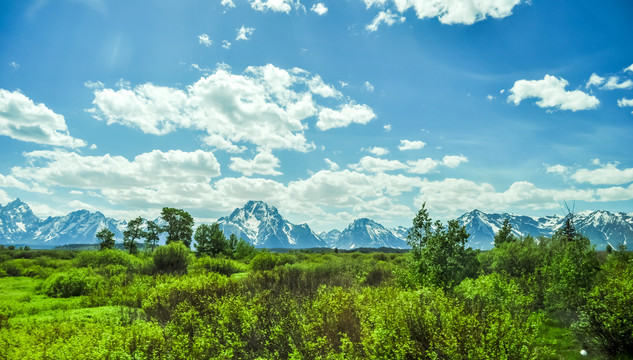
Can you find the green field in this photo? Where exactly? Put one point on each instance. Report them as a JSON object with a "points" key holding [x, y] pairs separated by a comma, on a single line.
{"points": [[522, 300]]}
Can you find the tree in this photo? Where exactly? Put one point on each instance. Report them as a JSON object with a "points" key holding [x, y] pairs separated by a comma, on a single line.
{"points": [[151, 234], [106, 238], [244, 250], [210, 240], [179, 225], [233, 242], [504, 235], [439, 253], [133, 231]]}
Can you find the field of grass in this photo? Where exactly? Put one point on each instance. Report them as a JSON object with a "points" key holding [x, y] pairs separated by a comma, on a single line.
{"points": [[60, 304]]}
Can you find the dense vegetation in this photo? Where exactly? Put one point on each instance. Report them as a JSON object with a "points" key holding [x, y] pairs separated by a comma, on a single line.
{"points": [[546, 298]]}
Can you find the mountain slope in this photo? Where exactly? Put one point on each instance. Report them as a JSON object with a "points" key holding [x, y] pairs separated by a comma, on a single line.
{"points": [[366, 233], [263, 226]]}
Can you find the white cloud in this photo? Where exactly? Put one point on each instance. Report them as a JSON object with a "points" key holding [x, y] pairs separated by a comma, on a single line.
{"points": [[556, 169], [275, 5], [343, 84], [387, 127], [490, 97], [22, 119], [378, 151], [453, 161], [94, 84], [608, 174], [384, 17], [4, 197], [453, 12], [613, 84], [551, 91], [625, 102], [377, 165], [319, 8], [226, 44], [422, 166], [204, 39], [411, 145], [369, 87], [347, 114], [629, 68], [228, 3], [14, 65], [616, 193], [264, 163], [332, 165], [150, 179], [243, 33], [594, 80], [223, 105], [451, 197]]}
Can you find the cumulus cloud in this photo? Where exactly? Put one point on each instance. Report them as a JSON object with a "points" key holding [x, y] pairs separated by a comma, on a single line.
{"points": [[616, 193], [608, 174], [384, 17], [226, 44], [264, 163], [319, 8], [453, 161], [629, 68], [625, 102], [224, 105], [552, 94], [378, 151], [344, 116], [228, 3], [22, 119], [452, 12], [387, 127], [452, 197], [595, 80], [331, 164], [275, 5], [411, 145], [377, 165], [157, 177], [614, 84], [422, 166], [204, 39], [244, 33], [369, 87], [14, 65], [556, 169]]}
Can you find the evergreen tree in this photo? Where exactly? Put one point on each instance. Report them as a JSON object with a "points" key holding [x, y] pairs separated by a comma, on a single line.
{"points": [[210, 240], [179, 225], [131, 233], [151, 234], [233, 242], [504, 235], [440, 254], [106, 239]]}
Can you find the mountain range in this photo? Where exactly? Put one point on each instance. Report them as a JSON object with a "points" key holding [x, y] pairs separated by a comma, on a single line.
{"points": [[263, 226]]}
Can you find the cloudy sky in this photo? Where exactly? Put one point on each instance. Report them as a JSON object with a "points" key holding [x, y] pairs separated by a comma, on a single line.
{"points": [[330, 110]]}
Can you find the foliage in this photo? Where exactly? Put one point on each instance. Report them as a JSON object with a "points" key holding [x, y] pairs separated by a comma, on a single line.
{"points": [[132, 232], [106, 238], [244, 250], [152, 235], [179, 225], [440, 256], [504, 235], [210, 240], [75, 282], [172, 258]]}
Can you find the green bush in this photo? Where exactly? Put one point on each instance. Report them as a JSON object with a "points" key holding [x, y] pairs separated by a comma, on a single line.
{"points": [[74, 282], [264, 261], [173, 258], [218, 265]]}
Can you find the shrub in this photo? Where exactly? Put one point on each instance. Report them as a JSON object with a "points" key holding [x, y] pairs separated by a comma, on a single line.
{"points": [[218, 265], [173, 258], [74, 282], [264, 261]]}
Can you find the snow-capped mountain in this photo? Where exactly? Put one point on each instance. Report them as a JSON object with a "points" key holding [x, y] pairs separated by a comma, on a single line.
{"points": [[20, 226], [400, 232], [330, 237], [16, 219], [263, 226], [601, 227], [366, 233]]}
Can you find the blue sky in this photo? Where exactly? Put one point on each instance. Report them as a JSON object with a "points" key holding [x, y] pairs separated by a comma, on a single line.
{"points": [[329, 110]]}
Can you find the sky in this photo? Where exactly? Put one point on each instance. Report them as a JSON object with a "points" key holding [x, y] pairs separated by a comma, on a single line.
{"points": [[330, 110]]}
